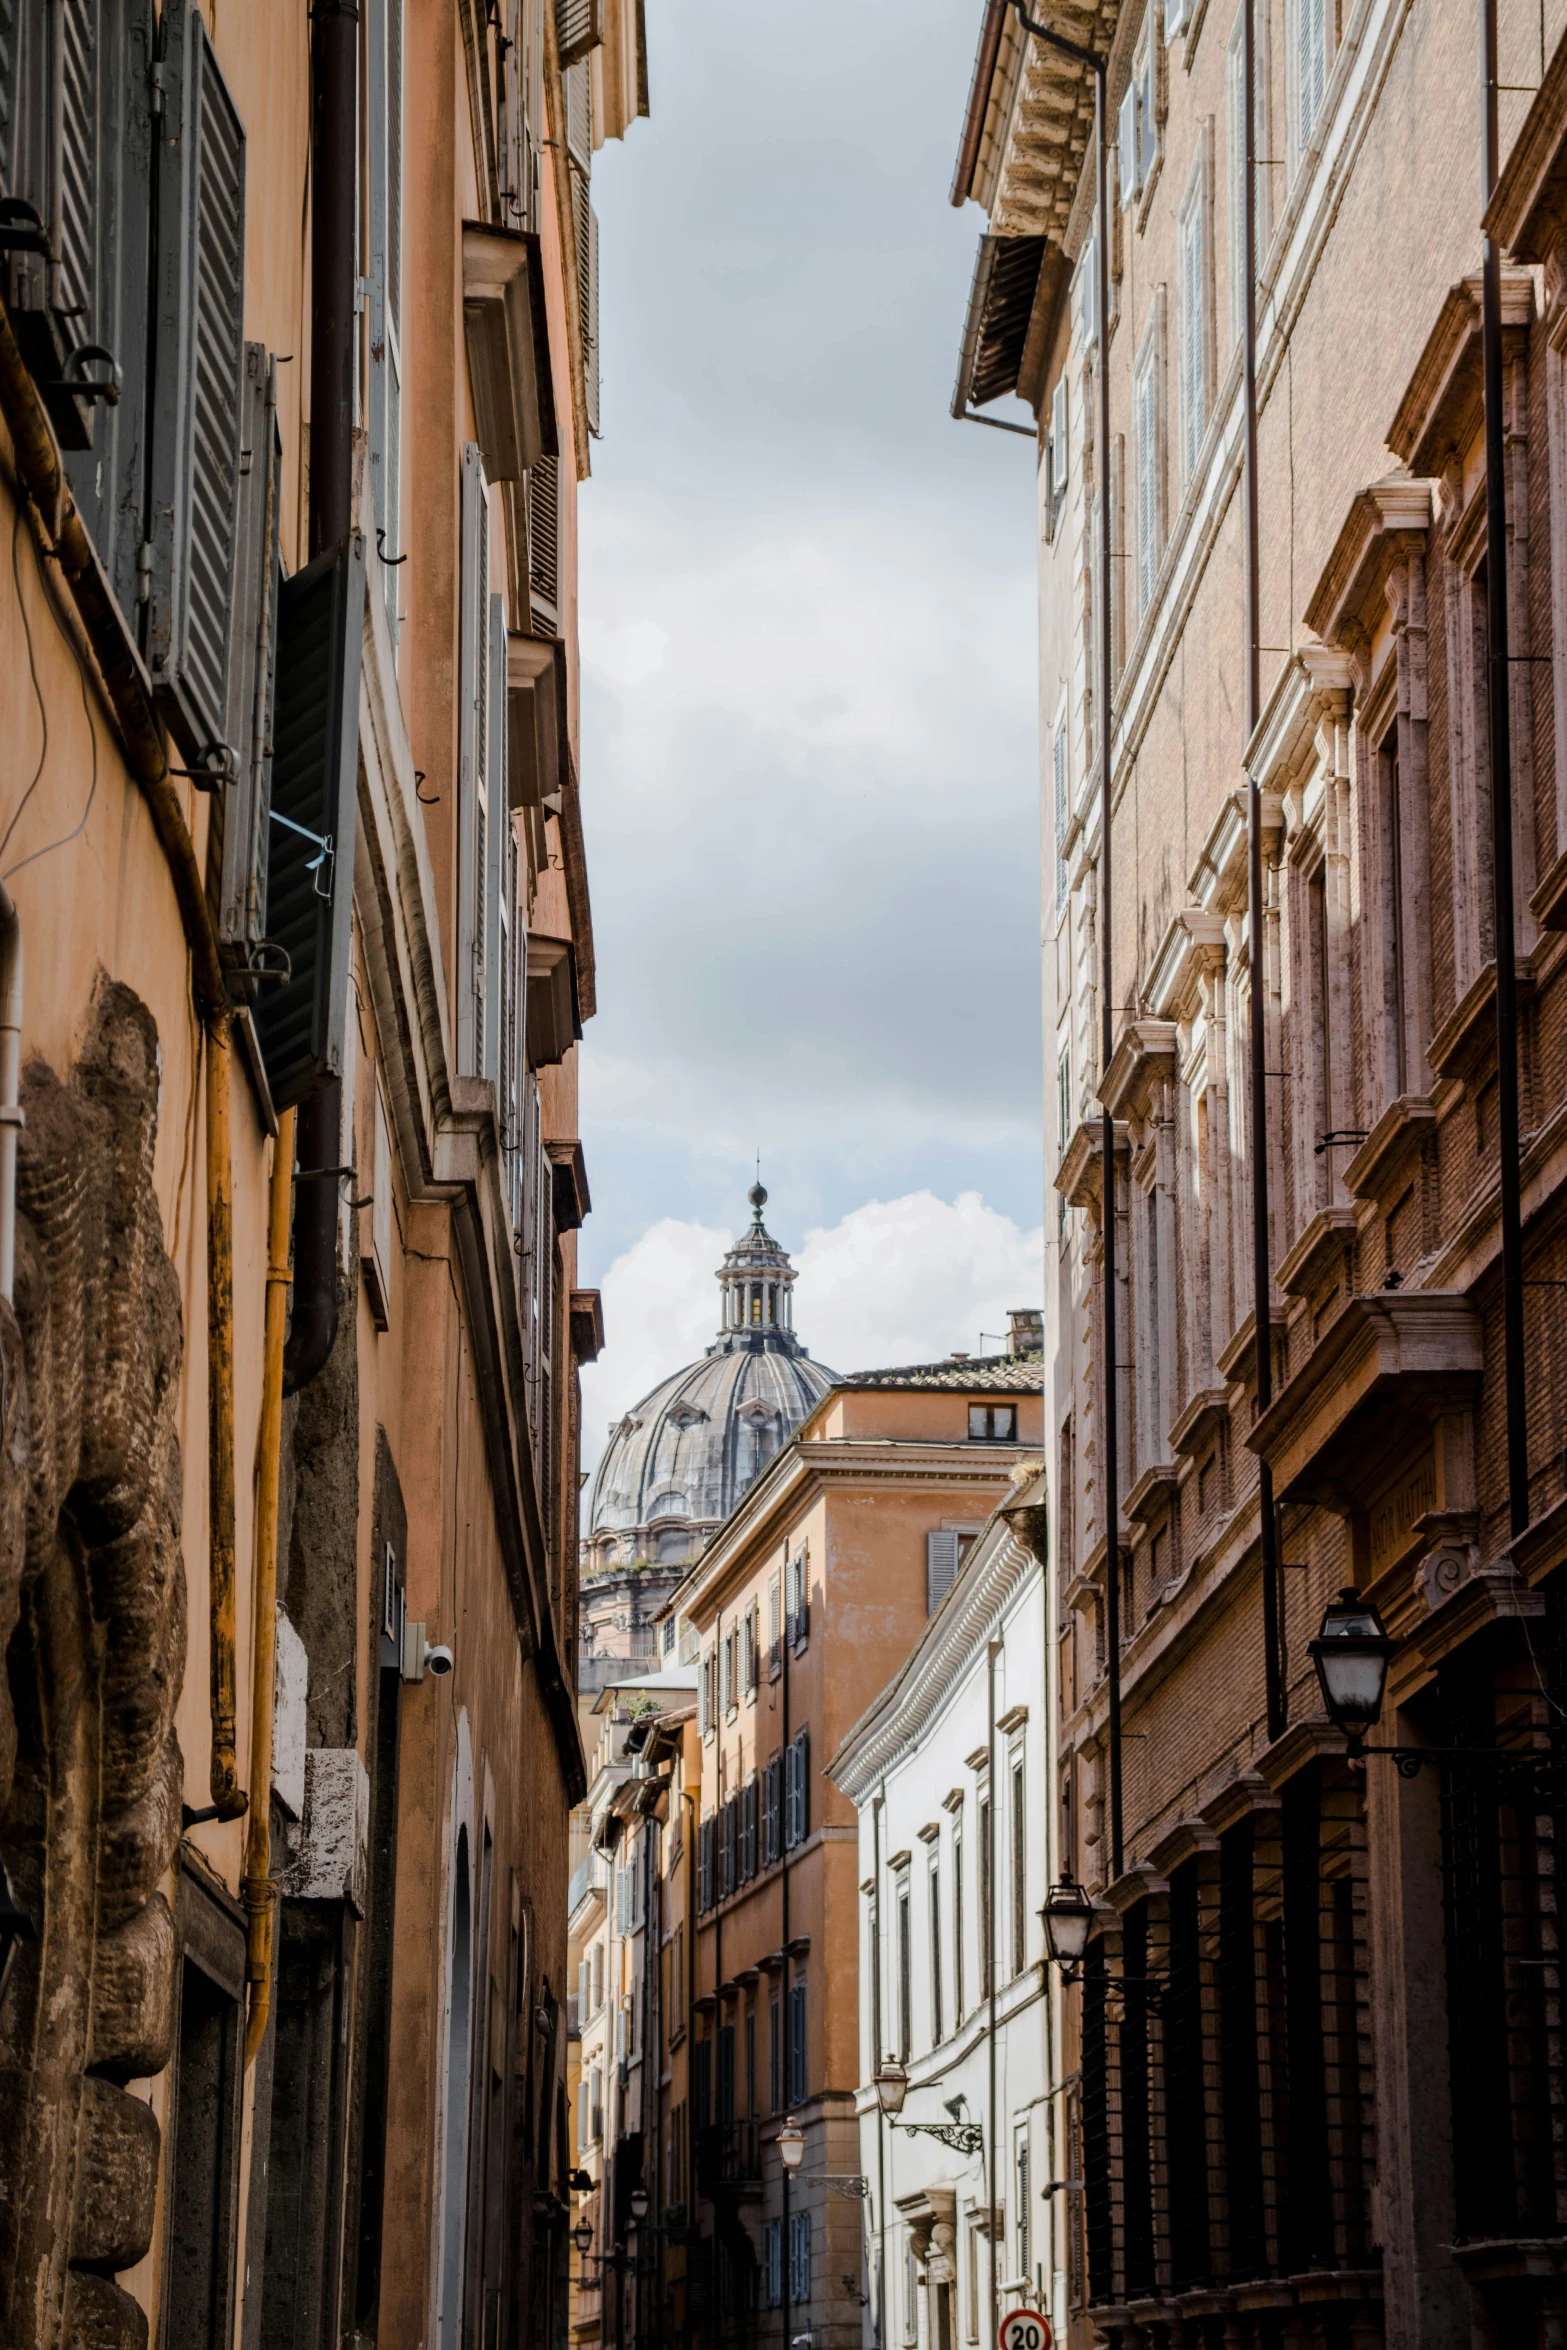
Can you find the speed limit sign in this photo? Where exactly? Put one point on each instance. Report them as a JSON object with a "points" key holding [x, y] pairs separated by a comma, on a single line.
{"points": [[1024, 2329]]}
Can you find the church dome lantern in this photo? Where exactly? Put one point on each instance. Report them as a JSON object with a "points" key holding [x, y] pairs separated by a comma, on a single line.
{"points": [[681, 1460]]}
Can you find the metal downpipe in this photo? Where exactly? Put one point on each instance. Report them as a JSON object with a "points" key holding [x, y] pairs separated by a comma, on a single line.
{"points": [[259, 1887]]}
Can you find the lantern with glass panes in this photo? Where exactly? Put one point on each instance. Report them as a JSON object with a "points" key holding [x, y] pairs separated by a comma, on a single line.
{"points": [[1352, 1652]]}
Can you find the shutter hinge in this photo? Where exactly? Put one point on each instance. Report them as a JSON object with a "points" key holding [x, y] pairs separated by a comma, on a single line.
{"points": [[144, 572], [361, 295], [157, 90]]}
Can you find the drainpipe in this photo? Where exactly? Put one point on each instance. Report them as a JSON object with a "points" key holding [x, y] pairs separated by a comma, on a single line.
{"points": [[334, 217], [259, 1888], [228, 1796], [10, 1082], [1112, 1482], [1262, 1319], [1500, 731]]}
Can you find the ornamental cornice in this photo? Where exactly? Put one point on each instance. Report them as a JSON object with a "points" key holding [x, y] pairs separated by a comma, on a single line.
{"points": [[996, 1571]]}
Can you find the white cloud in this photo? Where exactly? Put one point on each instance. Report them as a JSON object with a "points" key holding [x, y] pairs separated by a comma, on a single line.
{"points": [[907, 1280], [896, 1281]]}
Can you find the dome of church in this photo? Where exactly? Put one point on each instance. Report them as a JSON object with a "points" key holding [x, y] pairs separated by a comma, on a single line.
{"points": [[681, 1459]]}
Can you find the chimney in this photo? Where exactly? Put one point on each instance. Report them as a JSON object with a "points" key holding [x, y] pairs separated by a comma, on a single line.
{"points": [[1025, 1331]]}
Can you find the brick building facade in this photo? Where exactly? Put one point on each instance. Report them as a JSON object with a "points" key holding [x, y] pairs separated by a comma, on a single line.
{"points": [[1309, 2083]]}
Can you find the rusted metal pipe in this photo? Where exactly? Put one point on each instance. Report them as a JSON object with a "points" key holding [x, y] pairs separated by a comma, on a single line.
{"points": [[10, 1082], [228, 1796], [259, 1889]]}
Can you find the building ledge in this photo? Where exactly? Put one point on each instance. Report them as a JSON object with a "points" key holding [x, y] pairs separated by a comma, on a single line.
{"points": [[1402, 1127], [1327, 1237], [1466, 1041], [1205, 1414], [1152, 1494], [1383, 1363]]}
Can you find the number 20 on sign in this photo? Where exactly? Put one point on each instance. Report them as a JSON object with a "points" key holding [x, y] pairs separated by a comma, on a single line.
{"points": [[1024, 2329]]}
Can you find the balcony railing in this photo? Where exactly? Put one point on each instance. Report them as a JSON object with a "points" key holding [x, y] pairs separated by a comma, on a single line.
{"points": [[728, 2158], [589, 1875]]}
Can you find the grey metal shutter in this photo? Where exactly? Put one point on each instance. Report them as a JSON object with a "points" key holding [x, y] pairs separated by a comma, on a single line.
{"points": [[109, 477], [238, 842], [197, 372], [941, 1567], [315, 771], [497, 939], [74, 160]]}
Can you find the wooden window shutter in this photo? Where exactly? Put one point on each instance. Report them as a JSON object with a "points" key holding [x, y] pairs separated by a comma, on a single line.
{"points": [[1147, 453], [1059, 764], [310, 863], [579, 28], [544, 546], [238, 842], [197, 373], [1311, 33], [385, 95], [497, 835], [941, 1567], [473, 846]]}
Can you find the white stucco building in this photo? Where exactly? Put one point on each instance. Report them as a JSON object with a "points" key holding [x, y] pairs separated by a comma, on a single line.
{"points": [[949, 1772]]}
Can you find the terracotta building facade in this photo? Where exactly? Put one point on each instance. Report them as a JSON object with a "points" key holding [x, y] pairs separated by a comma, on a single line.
{"points": [[1307, 2075], [298, 376], [801, 1608]]}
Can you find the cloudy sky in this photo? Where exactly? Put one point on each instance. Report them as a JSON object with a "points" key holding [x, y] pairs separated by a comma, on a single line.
{"points": [[809, 768]]}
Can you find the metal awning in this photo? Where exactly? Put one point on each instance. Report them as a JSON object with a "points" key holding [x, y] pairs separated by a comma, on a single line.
{"points": [[1001, 302]]}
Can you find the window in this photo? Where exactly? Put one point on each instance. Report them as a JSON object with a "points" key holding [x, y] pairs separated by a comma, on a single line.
{"points": [[1321, 979], [750, 2063], [1147, 421], [1138, 128], [705, 1708], [1057, 456], [774, 2055], [728, 1873], [774, 1618], [797, 1804], [1395, 961], [772, 1803], [1192, 287], [985, 1912], [797, 2048], [704, 1864], [992, 1423], [796, 1606], [748, 1823], [1086, 288], [957, 1929], [1020, 2167], [1311, 67], [1019, 1871], [937, 2020], [943, 1555], [905, 1976], [750, 1674], [911, 2318], [799, 2258], [772, 2264], [726, 2075], [1059, 775], [1177, 16], [1235, 77]]}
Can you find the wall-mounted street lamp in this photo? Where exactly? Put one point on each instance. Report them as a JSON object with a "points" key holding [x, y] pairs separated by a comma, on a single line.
{"points": [[1067, 1916], [582, 2236], [1352, 1652], [638, 2206], [892, 2085], [791, 2144]]}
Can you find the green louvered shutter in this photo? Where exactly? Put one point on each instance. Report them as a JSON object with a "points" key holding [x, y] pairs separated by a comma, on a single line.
{"points": [[197, 372], [315, 768]]}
